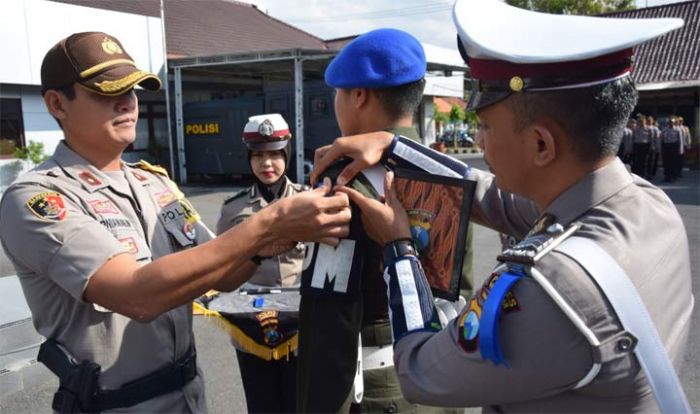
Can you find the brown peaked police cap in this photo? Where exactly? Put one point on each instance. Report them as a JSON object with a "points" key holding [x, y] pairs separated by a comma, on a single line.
{"points": [[96, 61]]}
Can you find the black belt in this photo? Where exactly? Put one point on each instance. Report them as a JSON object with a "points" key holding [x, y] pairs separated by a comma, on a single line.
{"points": [[167, 379], [79, 390], [376, 333]]}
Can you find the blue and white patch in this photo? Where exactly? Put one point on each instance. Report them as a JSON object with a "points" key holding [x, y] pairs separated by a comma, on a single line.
{"points": [[470, 326]]}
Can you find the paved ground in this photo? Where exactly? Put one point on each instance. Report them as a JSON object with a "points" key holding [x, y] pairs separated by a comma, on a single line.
{"points": [[224, 390]]}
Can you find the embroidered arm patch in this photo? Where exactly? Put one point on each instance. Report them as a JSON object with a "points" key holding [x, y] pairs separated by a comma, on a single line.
{"points": [[48, 206]]}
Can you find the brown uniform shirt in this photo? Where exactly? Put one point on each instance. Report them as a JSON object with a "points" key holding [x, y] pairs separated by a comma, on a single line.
{"points": [[631, 220], [60, 223]]}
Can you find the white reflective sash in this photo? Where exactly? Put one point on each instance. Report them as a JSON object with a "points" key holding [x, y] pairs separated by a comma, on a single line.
{"points": [[358, 384], [635, 319], [375, 357]]}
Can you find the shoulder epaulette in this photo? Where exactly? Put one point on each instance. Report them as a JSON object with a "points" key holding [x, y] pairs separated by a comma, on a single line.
{"points": [[239, 194], [532, 248], [147, 166]]}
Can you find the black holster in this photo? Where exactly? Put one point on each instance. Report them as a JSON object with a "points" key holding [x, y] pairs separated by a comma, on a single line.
{"points": [[79, 390], [78, 381]]}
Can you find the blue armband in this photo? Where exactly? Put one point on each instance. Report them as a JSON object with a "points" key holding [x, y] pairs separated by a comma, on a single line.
{"points": [[410, 299], [490, 317]]}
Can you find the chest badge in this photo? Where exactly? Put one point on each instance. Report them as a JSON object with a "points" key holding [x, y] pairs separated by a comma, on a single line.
{"points": [[190, 231], [103, 207], [129, 244], [165, 198]]}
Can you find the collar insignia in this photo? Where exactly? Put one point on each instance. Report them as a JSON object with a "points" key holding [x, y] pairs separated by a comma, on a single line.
{"points": [[89, 178], [139, 177]]}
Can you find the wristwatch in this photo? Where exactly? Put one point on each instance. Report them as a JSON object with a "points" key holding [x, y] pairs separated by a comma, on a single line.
{"points": [[397, 249], [258, 259]]}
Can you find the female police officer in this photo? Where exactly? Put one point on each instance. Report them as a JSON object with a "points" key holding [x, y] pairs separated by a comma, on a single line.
{"points": [[269, 384]]}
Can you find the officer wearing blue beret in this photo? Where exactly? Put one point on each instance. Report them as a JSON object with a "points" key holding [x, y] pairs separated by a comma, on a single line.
{"points": [[591, 310], [379, 82]]}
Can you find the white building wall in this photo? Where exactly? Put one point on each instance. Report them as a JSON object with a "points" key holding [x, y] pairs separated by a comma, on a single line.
{"points": [[440, 85], [39, 126], [428, 112], [30, 28]]}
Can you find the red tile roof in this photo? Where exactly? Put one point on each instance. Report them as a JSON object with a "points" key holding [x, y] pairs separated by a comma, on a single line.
{"points": [[445, 104], [340, 42], [673, 57], [212, 27]]}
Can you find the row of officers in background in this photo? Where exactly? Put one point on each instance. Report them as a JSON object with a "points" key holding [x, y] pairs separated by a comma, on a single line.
{"points": [[643, 141]]}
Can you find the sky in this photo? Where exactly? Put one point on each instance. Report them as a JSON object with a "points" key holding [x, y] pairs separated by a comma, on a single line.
{"points": [[429, 20]]}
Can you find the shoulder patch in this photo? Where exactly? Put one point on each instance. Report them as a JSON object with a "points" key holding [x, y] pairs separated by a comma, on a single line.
{"points": [[534, 246], [469, 322], [147, 166], [48, 206], [239, 194]]}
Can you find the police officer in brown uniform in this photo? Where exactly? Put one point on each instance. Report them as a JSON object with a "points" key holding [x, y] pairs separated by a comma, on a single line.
{"points": [[589, 312], [270, 386], [671, 142], [654, 149], [686, 142], [110, 255], [625, 151]]}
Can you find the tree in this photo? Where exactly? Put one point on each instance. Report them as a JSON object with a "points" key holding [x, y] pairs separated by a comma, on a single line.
{"points": [[440, 117], [471, 119], [581, 7], [33, 152], [456, 114]]}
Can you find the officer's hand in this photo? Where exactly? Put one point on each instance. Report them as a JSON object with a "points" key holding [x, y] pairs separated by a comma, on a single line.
{"points": [[312, 216], [365, 150], [384, 221]]}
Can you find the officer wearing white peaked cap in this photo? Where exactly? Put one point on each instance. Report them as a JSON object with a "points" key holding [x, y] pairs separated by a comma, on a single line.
{"points": [[546, 332]]}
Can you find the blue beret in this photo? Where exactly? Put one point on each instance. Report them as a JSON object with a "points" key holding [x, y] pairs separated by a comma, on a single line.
{"points": [[378, 59]]}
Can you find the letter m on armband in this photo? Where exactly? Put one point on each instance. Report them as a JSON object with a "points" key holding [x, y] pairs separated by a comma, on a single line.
{"points": [[331, 270]]}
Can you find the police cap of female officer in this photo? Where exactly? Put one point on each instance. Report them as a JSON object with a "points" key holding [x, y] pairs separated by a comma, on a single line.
{"points": [[267, 139]]}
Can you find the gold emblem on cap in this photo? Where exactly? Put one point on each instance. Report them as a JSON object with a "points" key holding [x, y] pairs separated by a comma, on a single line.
{"points": [[111, 47], [516, 84]]}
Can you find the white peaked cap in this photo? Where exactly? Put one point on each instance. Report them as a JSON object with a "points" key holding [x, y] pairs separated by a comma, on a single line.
{"points": [[510, 49], [268, 132]]}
